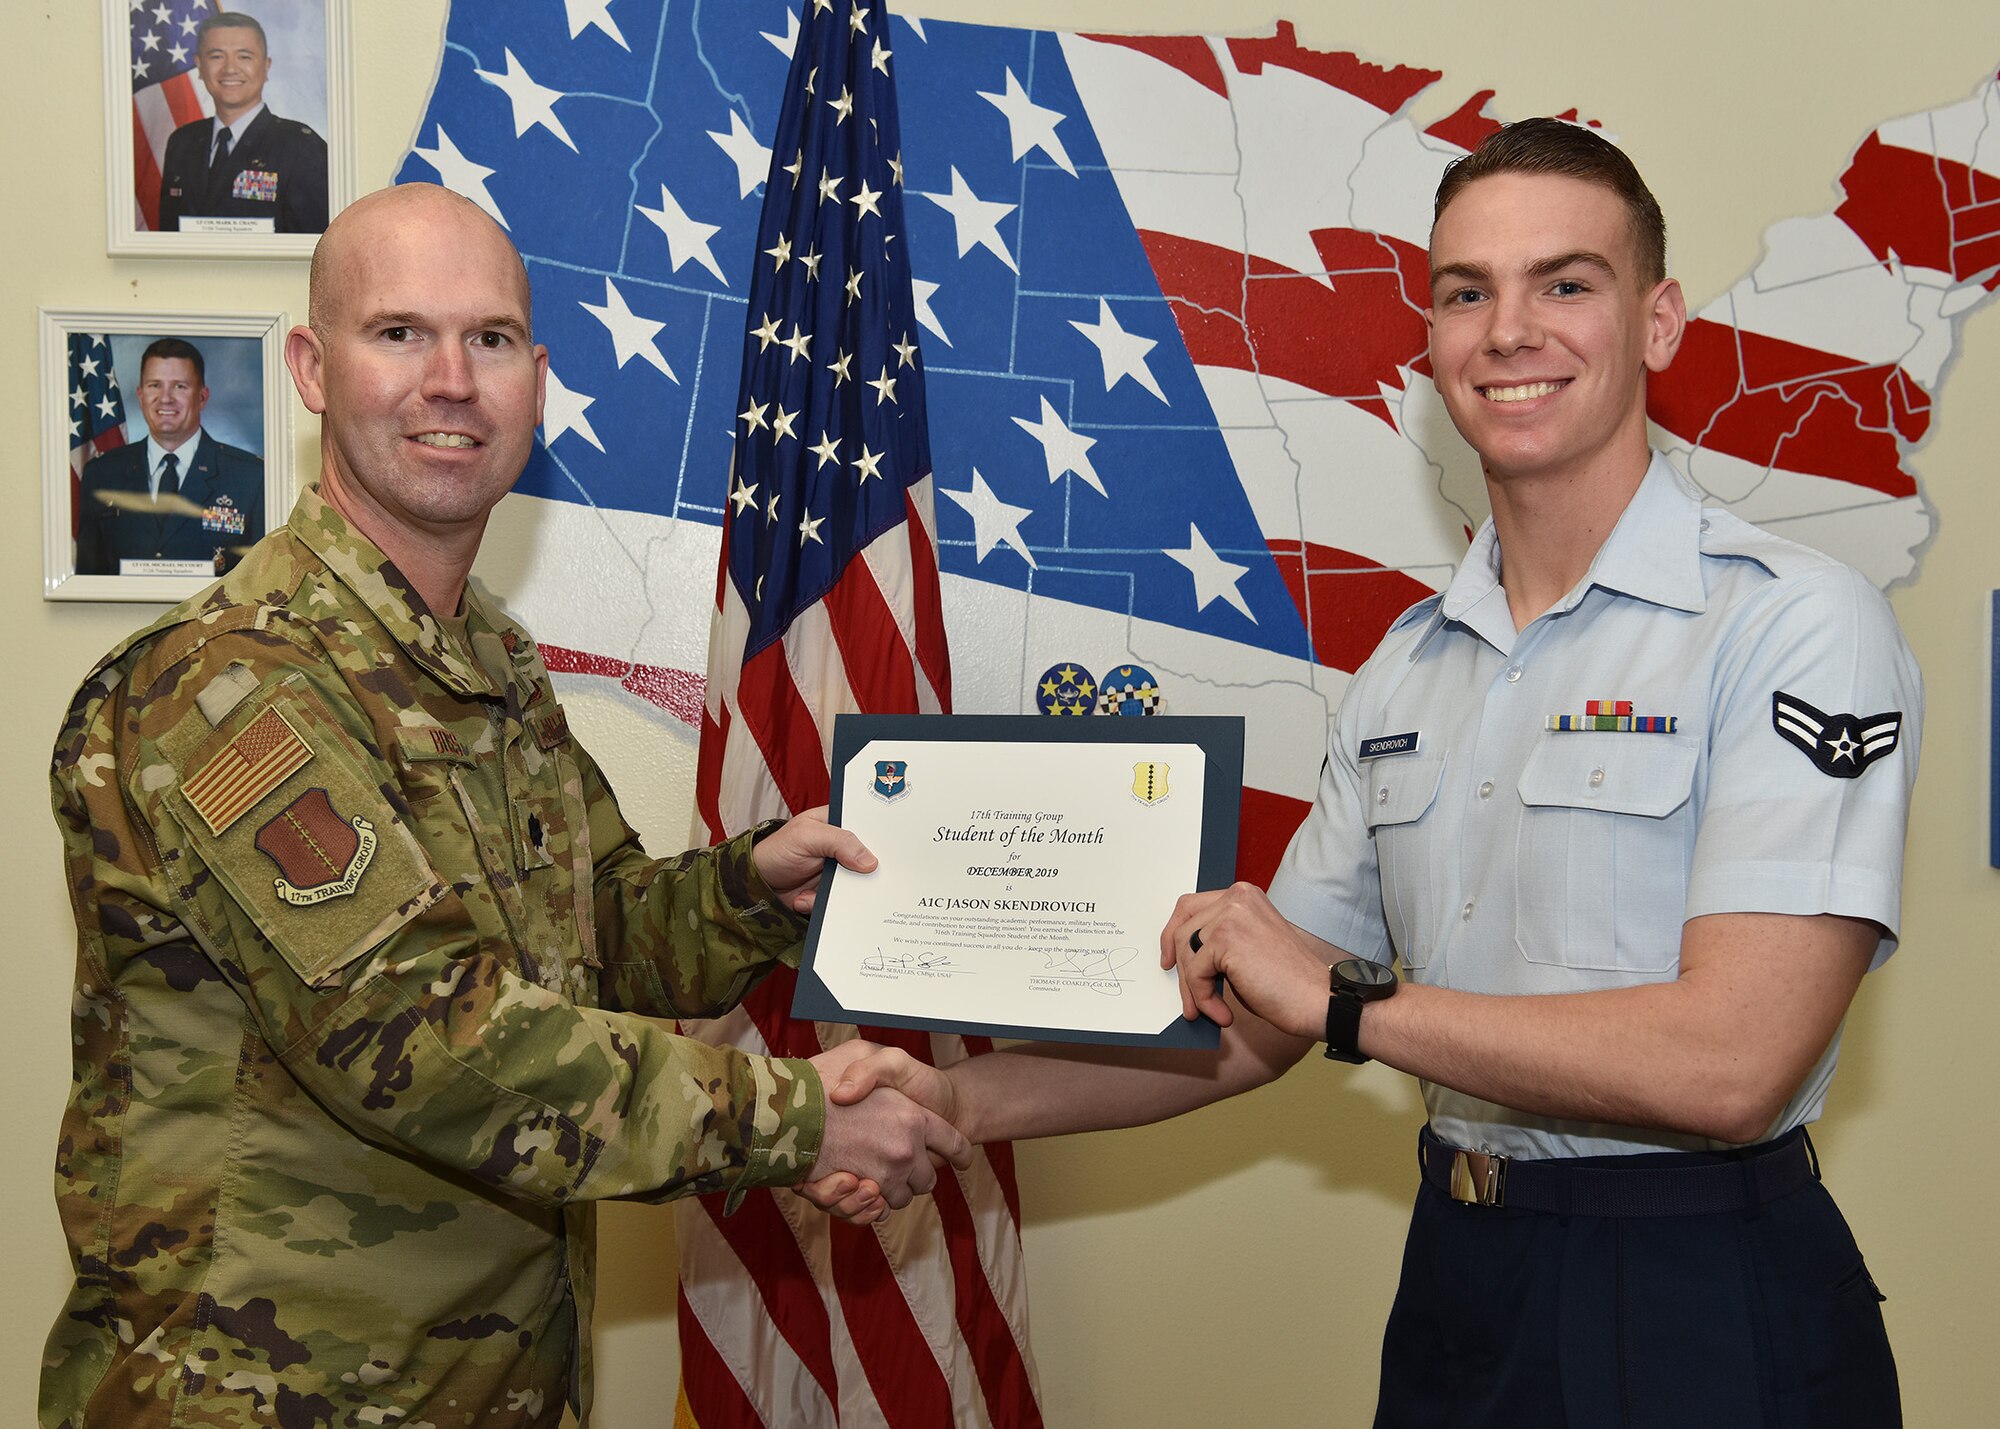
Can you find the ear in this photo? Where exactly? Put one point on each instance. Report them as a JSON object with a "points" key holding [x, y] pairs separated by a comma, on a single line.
{"points": [[1667, 318], [305, 358], [541, 379]]}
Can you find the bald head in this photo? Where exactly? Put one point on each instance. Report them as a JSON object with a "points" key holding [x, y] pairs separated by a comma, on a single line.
{"points": [[425, 215]]}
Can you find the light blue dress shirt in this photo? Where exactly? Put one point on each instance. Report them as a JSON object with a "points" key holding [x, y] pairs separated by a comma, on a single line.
{"points": [[1501, 856]]}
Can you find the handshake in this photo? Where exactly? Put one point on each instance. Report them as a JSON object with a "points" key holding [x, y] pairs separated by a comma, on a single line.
{"points": [[888, 1131]]}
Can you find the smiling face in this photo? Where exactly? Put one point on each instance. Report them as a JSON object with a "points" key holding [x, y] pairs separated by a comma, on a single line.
{"points": [[1541, 332], [420, 364], [171, 396], [233, 66]]}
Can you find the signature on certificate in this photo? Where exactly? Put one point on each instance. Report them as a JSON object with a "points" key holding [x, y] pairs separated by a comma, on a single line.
{"points": [[1092, 971], [896, 964]]}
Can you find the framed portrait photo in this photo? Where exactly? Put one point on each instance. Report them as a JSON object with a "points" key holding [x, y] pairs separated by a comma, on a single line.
{"points": [[228, 131], [166, 448]]}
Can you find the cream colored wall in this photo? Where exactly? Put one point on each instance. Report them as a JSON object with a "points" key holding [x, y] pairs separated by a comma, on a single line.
{"points": [[1233, 1267]]}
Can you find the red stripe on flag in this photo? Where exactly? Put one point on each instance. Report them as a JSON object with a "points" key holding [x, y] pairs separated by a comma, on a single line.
{"points": [[1347, 602], [1290, 325], [1387, 89], [1267, 824], [708, 774], [1775, 403], [769, 703], [910, 1387], [706, 1380], [762, 1239], [1189, 54], [879, 667], [183, 100], [1003, 1378], [145, 176], [1919, 208], [932, 653]]}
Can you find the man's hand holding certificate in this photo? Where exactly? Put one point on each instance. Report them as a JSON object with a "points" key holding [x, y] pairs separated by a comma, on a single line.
{"points": [[1026, 868]]}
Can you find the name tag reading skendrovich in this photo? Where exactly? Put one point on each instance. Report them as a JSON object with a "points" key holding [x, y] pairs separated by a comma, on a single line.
{"points": [[1386, 744]]}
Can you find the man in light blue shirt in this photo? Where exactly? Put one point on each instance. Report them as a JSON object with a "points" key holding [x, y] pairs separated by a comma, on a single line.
{"points": [[1627, 804]]}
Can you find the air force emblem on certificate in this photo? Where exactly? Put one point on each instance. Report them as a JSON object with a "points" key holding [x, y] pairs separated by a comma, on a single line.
{"points": [[892, 780], [1149, 782]]}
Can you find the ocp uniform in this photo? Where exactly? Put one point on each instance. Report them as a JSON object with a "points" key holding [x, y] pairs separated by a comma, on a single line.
{"points": [[1494, 851], [350, 897]]}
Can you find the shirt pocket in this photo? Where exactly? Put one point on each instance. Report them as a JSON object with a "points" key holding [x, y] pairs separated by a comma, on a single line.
{"points": [[1601, 865], [1401, 793]]}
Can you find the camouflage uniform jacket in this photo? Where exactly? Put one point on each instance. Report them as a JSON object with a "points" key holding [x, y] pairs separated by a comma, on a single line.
{"points": [[359, 927]]}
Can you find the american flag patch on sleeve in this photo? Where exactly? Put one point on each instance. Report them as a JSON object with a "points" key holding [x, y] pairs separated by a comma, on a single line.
{"points": [[267, 752]]}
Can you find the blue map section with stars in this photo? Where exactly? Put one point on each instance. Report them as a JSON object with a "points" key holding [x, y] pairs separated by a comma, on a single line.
{"points": [[623, 143]]}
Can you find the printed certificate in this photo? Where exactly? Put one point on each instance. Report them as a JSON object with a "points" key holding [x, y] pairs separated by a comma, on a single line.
{"points": [[1028, 864]]}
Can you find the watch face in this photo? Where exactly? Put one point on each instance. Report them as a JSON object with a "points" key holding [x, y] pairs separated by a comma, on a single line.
{"points": [[1360, 973]]}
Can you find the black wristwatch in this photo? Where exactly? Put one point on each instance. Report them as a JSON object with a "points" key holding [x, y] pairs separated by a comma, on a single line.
{"points": [[1350, 983]]}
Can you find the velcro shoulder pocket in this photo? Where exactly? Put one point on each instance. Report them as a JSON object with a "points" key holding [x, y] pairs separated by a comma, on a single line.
{"points": [[288, 814]]}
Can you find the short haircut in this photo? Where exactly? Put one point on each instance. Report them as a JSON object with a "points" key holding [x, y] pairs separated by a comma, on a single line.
{"points": [[230, 20], [168, 347], [1555, 146]]}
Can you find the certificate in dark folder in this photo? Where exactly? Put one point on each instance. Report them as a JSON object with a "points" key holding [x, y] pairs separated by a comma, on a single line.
{"points": [[1027, 866]]}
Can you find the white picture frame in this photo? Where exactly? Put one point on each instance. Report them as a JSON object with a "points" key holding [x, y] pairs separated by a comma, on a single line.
{"points": [[237, 345], [311, 83]]}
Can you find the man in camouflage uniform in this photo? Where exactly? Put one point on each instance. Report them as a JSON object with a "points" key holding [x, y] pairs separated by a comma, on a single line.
{"points": [[360, 929]]}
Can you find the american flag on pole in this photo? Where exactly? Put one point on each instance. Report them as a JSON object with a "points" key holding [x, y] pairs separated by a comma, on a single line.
{"points": [[165, 93], [96, 412], [827, 600]]}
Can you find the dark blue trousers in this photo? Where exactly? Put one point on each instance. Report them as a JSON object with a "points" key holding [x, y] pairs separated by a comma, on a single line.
{"points": [[1764, 1318]]}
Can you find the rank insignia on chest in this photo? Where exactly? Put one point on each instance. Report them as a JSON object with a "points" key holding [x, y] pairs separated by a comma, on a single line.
{"points": [[258, 184], [1612, 717], [1839, 745], [258, 760], [319, 854], [892, 780], [225, 516]]}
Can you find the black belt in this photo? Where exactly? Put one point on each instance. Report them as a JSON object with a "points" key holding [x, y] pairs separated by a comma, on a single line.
{"points": [[1702, 1184]]}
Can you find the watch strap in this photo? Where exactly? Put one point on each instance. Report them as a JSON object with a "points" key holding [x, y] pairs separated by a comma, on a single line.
{"points": [[1343, 1026]]}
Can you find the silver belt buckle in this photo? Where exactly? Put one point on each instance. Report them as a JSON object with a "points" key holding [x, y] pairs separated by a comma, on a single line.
{"points": [[1478, 1178]]}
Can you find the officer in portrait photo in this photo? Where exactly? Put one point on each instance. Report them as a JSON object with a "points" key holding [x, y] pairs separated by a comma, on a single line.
{"points": [[186, 497], [231, 109]]}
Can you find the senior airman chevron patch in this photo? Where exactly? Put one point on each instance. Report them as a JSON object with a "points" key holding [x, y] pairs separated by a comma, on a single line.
{"points": [[258, 760], [1841, 745]]}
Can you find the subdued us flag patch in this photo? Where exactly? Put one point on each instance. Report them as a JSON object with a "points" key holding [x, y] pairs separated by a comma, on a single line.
{"points": [[258, 760], [1840, 745]]}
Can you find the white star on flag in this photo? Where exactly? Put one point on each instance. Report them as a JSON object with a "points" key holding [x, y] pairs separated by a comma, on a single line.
{"points": [[993, 520], [533, 103], [975, 220], [1029, 125], [461, 175], [1063, 449], [752, 160], [632, 335], [922, 293], [1213, 576], [584, 13], [686, 239], [562, 411], [1122, 353], [787, 42]]}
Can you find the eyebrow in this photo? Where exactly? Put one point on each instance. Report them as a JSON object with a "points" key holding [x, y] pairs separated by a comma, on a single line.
{"points": [[1540, 268], [503, 322]]}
